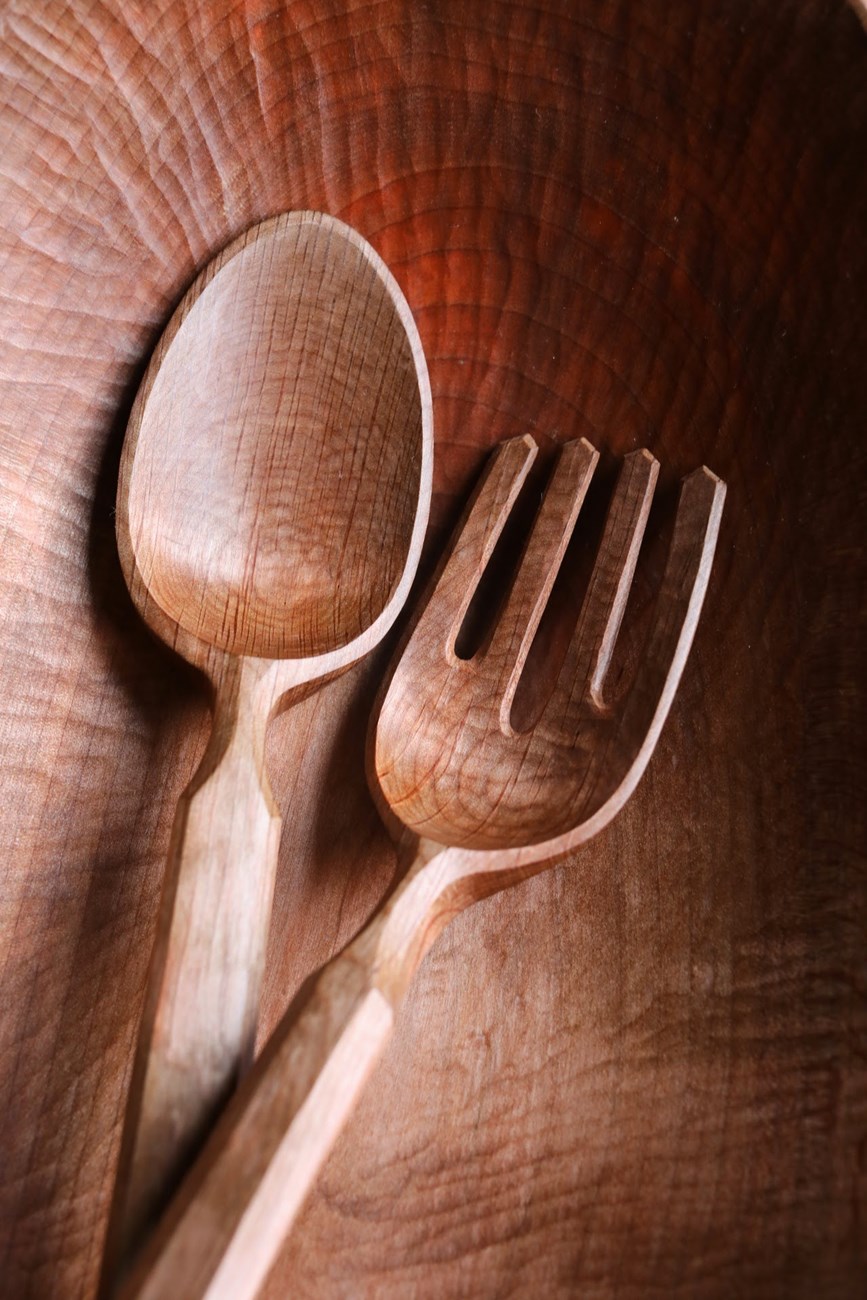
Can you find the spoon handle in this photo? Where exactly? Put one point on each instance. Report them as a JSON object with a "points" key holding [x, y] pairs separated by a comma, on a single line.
{"points": [[199, 1021], [225, 1227]]}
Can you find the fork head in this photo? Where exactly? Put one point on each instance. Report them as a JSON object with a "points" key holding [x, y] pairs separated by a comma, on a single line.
{"points": [[447, 758]]}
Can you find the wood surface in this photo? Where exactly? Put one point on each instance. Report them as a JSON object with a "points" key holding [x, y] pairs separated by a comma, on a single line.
{"points": [[282, 433], [639, 224]]}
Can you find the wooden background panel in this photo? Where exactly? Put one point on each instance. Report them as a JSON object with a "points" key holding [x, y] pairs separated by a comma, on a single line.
{"points": [[643, 1071]]}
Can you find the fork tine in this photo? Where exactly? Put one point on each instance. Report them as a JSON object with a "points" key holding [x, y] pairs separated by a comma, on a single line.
{"points": [[681, 596], [476, 535], [590, 650], [540, 562]]}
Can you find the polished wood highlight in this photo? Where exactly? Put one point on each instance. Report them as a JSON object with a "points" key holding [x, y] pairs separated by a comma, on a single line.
{"points": [[642, 225], [273, 499]]}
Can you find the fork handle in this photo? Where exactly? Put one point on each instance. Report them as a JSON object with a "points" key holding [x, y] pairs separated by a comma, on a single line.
{"points": [[225, 1227]]}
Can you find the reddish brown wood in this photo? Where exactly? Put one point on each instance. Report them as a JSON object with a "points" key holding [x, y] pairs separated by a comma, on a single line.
{"points": [[645, 225]]}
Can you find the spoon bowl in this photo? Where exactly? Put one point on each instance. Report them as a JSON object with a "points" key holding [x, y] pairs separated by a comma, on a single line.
{"points": [[272, 474], [273, 497]]}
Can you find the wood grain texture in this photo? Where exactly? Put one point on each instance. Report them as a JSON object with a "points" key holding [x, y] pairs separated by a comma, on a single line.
{"points": [[640, 225]]}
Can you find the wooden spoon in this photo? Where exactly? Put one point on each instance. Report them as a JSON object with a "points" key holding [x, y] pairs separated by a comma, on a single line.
{"points": [[274, 493]]}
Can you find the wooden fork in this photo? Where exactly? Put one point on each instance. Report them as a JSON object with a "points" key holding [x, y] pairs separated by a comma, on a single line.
{"points": [[491, 806]]}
